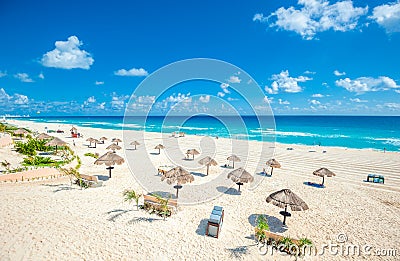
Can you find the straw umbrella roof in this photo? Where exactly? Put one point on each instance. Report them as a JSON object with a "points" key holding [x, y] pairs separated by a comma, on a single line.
{"points": [[43, 136], [135, 143], [21, 131], [109, 159], [233, 158], [273, 163], [286, 197], [90, 139], [207, 161], [177, 175], [159, 146], [73, 129], [56, 142], [192, 152], [113, 147], [95, 141], [240, 175], [116, 140], [324, 172], [103, 138]]}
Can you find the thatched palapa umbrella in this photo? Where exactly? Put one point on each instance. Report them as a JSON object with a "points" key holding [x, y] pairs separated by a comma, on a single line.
{"points": [[240, 176], [207, 161], [116, 140], [233, 158], [102, 139], [322, 172], [113, 147], [273, 163], [56, 142], [43, 136], [192, 152], [21, 132], [135, 143], [95, 141], [90, 140], [159, 147], [179, 176], [285, 198], [109, 159]]}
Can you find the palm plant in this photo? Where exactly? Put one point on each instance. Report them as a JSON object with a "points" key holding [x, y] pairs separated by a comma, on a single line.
{"points": [[262, 226], [73, 173], [164, 205], [6, 164], [131, 195]]}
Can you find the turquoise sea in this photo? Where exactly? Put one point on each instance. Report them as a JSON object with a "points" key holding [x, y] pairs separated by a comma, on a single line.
{"points": [[376, 132]]}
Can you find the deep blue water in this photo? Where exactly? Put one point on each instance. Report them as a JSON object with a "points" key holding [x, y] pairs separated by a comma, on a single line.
{"points": [[377, 132]]}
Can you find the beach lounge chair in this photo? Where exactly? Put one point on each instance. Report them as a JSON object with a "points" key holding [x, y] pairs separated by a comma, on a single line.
{"points": [[92, 181], [215, 221], [376, 178]]}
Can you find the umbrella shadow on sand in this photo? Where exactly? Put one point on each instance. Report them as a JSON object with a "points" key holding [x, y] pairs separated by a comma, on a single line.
{"points": [[198, 174], [263, 174], [102, 177], [228, 191], [275, 224], [163, 194], [117, 213]]}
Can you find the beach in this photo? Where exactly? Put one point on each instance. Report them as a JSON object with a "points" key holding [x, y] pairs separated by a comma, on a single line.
{"points": [[52, 220]]}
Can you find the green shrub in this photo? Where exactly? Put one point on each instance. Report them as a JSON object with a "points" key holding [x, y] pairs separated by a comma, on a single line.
{"points": [[93, 155]]}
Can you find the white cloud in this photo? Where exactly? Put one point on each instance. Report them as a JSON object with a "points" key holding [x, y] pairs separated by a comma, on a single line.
{"points": [[317, 95], [99, 83], [204, 99], [337, 73], [398, 91], [118, 101], [388, 16], [234, 79], [67, 55], [283, 102], [132, 72], [358, 100], [314, 16], [178, 98], [315, 102], [9, 100], [91, 99], [102, 106], [41, 76], [259, 17], [393, 106], [21, 99], [3, 74], [367, 84], [268, 99], [309, 72], [224, 87], [220, 94], [23, 77], [286, 83]]}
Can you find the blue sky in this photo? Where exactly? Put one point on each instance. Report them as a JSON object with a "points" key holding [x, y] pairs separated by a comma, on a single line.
{"points": [[308, 56]]}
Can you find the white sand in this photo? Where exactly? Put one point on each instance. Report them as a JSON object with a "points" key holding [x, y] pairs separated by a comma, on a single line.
{"points": [[49, 220]]}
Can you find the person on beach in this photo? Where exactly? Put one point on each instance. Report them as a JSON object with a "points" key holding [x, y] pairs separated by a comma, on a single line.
{"points": [[73, 142]]}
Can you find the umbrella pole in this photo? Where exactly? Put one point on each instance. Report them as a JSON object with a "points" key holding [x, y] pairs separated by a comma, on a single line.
{"points": [[159, 151], [208, 166], [284, 217], [135, 147], [193, 156], [177, 190], [272, 170], [233, 163], [239, 187], [323, 180]]}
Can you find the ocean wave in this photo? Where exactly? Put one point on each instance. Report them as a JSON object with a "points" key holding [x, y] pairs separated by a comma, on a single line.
{"points": [[186, 128], [284, 133], [390, 141]]}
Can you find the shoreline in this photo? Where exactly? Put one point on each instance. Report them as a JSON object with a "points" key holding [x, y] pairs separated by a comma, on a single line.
{"points": [[77, 220], [20, 123]]}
